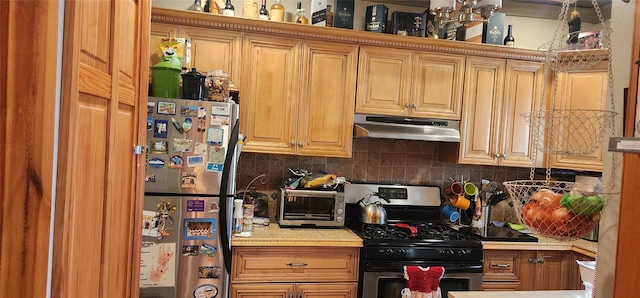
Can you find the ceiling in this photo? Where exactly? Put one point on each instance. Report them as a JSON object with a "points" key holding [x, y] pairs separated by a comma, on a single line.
{"points": [[543, 9]]}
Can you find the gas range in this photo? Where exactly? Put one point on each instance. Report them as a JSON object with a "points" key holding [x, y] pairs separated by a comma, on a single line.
{"points": [[414, 235]]}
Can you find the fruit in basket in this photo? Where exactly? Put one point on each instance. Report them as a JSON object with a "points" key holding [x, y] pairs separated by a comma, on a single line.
{"points": [[580, 204], [548, 214]]}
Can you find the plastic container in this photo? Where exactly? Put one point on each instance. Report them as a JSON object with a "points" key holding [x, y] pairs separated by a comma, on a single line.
{"points": [[588, 289], [218, 85], [165, 80], [237, 216], [587, 270]]}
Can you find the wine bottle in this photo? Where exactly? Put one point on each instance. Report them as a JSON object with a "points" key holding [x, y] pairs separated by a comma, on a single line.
{"points": [[263, 14], [329, 16], [277, 12], [300, 18], [196, 6], [509, 40], [228, 9]]}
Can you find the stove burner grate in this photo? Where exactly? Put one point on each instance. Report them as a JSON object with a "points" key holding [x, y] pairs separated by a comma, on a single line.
{"points": [[426, 231]]}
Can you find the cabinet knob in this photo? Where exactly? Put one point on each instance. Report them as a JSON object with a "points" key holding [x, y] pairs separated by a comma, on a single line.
{"points": [[504, 156], [414, 106], [496, 155], [536, 261], [406, 105], [293, 143], [300, 144]]}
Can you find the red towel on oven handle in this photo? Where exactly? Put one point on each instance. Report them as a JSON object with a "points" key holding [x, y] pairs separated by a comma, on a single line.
{"points": [[421, 279]]}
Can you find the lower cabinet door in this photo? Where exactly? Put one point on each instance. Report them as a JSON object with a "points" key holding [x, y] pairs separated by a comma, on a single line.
{"points": [[325, 290], [262, 290]]}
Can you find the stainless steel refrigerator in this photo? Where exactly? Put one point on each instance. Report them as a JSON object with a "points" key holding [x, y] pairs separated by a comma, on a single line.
{"points": [[192, 157]]}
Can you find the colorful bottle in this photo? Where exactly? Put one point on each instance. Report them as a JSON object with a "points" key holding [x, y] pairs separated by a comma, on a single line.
{"points": [[509, 40], [329, 16], [237, 216], [277, 12]]}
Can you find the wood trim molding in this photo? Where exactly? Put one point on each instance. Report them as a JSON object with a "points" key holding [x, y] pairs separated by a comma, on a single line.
{"points": [[188, 18]]}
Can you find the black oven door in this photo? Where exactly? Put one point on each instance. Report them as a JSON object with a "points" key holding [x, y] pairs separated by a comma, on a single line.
{"points": [[387, 280]]}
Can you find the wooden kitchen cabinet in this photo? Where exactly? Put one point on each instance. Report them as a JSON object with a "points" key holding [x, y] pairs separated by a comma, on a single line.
{"points": [[298, 271], [409, 83], [527, 270], [585, 90], [213, 49], [497, 93], [297, 96], [298, 290]]}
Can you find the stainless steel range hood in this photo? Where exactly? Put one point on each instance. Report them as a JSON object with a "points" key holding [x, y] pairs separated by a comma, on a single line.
{"points": [[394, 127]]}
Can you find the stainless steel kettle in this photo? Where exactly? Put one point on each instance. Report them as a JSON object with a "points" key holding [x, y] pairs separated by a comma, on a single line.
{"points": [[373, 213]]}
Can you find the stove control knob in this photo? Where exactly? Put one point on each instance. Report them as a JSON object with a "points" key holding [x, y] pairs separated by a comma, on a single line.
{"points": [[462, 252], [402, 252], [339, 211], [386, 251], [449, 252]]}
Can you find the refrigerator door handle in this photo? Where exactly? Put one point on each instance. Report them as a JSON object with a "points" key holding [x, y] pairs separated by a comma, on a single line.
{"points": [[224, 183]]}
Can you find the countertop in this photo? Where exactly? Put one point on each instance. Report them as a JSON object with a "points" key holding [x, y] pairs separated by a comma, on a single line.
{"points": [[519, 294], [584, 247], [274, 235]]}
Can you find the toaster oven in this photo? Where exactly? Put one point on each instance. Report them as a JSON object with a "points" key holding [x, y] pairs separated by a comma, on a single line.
{"points": [[310, 208]]}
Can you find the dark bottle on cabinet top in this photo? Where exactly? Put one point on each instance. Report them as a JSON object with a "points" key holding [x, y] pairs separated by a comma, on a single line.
{"points": [[264, 13], [228, 9], [509, 40]]}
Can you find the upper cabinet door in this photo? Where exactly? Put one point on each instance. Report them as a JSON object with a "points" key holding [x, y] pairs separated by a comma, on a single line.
{"points": [[325, 125], [437, 86], [523, 85], [270, 88], [384, 80], [481, 107], [215, 50], [585, 91]]}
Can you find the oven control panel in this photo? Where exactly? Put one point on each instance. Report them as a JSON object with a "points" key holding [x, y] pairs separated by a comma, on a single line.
{"points": [[423, 253]]}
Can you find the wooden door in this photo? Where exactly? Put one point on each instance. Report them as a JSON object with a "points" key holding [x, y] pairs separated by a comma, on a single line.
{"points": [[437, 86], [324, 290], [27, 133], [262, 290], [270, 90], [481, 107], [215, 49], [325, 125], [588, 91], [384, 81], [98, 206], [523, 85]]}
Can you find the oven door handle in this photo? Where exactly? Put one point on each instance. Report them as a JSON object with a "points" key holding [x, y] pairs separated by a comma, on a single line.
{"points": [[394, 267]]}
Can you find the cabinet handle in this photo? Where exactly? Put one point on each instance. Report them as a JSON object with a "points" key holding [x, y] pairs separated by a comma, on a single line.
{"points": [[297, 264], [300, 144], [501, 266], [290, 295], [540, 261], [496, 155], [414, 106], [293, 143], [504, 156], [406, 105], [300, 296]]}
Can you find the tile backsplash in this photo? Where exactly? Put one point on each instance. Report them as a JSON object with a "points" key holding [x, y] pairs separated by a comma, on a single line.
{"points": [[374, 161]]}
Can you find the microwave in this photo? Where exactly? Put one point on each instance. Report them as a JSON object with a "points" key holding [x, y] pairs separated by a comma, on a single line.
{"points": [[310, 208]]}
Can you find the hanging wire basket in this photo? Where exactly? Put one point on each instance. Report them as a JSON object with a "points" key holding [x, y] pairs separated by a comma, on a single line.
{"points": [[558, 209], [570, 51], [569, 132]]}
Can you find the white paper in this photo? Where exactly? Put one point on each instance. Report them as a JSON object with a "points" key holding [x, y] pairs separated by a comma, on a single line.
{"points": [[149, 223], [157, 264]]}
